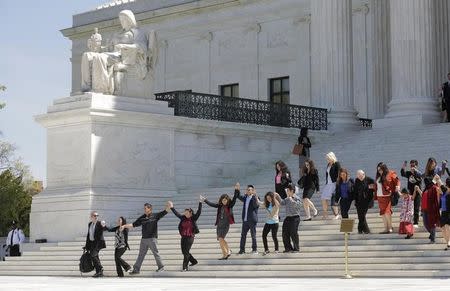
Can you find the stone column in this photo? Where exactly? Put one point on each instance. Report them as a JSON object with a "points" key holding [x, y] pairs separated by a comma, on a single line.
{"points": [[442, 40], [332, 61], [413, 50], [379, 58]]}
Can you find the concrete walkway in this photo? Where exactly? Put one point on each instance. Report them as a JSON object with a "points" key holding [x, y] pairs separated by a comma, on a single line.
{"points": [[160, 284]]}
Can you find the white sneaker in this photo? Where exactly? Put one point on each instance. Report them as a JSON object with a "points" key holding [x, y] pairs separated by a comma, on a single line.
{"points": [[254, 252], [337, 217], [316, 213], [416, 226]]}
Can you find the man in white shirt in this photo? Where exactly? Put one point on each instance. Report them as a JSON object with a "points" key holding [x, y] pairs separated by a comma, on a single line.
{"points": [[14, 240]]}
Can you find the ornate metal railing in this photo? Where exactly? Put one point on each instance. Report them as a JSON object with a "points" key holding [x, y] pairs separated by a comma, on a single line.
{"points": [[215, 107], [365, 123]]}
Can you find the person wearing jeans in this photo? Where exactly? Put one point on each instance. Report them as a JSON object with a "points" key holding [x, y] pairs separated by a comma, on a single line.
{"points": [[272, 205], [149, 223], [249, 217], [188, 229], [291, 222]]}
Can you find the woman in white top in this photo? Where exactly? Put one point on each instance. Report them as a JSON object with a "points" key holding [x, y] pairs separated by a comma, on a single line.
{"points": [[331, 176]]}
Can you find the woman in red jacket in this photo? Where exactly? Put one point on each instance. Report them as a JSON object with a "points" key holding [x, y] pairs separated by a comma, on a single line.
{"points": [[386, 184]]}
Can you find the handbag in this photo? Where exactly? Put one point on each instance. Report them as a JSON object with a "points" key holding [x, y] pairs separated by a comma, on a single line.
{"points": [[86, 265], [395, 196], [298, 149]]}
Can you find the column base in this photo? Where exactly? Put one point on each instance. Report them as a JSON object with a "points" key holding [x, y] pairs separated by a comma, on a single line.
{"points": [[342, 120], [411, 111]]}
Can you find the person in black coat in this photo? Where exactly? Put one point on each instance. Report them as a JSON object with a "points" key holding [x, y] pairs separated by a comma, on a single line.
{"points": [[95, 242], [249, 216], [188, 229], [282, 178], [344, 192], [120, 247], [363, 194]]}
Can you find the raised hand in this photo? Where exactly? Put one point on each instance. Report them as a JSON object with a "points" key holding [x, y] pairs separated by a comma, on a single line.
{"points": [[103, 223], [169, 204], [237, 186], [202, 199]]}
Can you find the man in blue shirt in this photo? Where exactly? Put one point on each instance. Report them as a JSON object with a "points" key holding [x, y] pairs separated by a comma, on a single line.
{"points": [[249, 216]]}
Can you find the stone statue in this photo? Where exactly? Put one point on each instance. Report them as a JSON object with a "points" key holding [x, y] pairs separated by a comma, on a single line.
{"points": [[125, 66], [94, 43]]}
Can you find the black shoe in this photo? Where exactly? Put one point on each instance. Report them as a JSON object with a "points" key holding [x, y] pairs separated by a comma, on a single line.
{"points": [[294, 251], [193, 264], [360, 232], [134, 272], [308, 219], [241, 253], [287, 251], [224, 258], [127, 269], [160, 270], [98, 274], [409, 236]]}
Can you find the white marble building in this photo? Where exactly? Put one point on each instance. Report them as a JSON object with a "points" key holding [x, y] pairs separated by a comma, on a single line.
{"points": [[376, 59], [352, 57]]}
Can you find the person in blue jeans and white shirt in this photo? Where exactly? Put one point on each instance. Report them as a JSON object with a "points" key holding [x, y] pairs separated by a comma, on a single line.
{"points": [[249, 216]]}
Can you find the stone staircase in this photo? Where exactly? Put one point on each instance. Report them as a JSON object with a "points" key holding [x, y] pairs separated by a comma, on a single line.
{"points": [[322, 246]]}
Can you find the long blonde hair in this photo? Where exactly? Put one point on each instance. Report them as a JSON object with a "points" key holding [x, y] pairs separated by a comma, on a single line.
{"points": [[332, 157]]}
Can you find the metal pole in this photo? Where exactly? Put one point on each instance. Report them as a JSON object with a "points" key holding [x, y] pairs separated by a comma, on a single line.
{"points": [[347, 274]]}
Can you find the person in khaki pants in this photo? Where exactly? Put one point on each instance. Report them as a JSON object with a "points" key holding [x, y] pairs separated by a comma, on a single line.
{"points": [[149, 223]]}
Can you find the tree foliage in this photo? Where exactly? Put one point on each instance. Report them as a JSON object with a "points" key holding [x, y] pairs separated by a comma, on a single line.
{"points": [[16, 190]]}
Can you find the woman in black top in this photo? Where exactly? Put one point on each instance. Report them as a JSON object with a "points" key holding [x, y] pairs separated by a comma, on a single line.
{"points": [[188, 229], [282, 178], [310, 184], [121, 245], [304, 140]]}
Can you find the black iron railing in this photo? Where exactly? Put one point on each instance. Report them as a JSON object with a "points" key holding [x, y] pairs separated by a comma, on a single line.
{"points": [[215, 107], [365, 123]]}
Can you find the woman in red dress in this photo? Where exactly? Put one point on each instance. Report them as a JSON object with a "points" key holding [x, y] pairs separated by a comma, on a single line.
{"points": [[386, 184]]}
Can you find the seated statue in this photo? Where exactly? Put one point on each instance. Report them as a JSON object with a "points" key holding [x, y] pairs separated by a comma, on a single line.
{"points": [[126, 66]]}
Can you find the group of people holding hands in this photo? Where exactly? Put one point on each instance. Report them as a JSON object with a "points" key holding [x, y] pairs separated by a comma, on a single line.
{"points": [[188, 228]]}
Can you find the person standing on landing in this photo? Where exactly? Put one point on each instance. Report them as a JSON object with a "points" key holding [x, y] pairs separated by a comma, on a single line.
{"points": [[149, 223], [303, 140], [249, 217], [14, 239]]}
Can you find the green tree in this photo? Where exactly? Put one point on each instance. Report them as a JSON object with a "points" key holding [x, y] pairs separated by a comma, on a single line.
{"points": [[16, 189]]}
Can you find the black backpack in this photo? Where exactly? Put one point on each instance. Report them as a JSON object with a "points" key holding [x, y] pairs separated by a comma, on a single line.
{"points": [[86, 264]]}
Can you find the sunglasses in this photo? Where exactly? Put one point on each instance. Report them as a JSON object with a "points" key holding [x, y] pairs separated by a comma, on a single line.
{"points": [[95, 215]]}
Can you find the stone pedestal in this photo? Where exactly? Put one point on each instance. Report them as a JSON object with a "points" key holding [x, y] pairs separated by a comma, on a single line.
{"points": [[332, 61], [413, 50]]}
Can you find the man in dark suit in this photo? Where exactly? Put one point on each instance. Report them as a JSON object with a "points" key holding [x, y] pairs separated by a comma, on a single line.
{"points": [[249, 216], [95, 242], [363, 193], [446, 97]]}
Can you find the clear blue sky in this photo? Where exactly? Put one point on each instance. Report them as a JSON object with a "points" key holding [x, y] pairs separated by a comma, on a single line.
{"points": [[35, 67]]}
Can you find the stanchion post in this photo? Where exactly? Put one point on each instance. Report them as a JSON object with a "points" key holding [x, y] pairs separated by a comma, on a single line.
{"points": [[347, 228]]}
